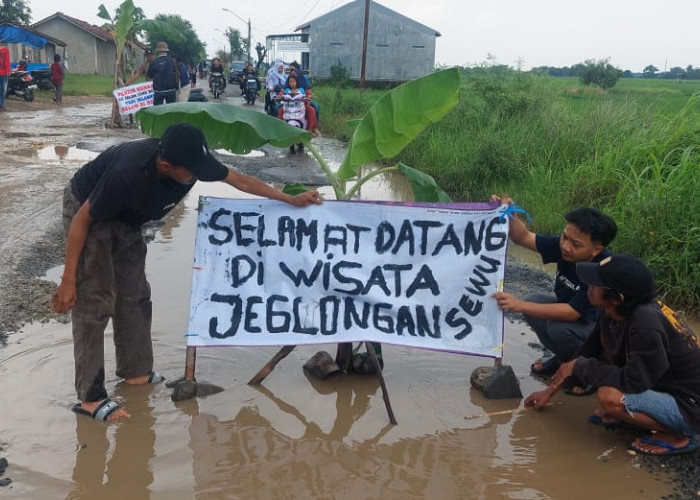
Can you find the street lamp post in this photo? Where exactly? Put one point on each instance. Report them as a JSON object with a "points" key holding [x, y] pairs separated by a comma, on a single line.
{"points": [[248, 22]]}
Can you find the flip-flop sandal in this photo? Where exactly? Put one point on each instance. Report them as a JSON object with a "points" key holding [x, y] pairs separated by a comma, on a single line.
{"points": [[618, 424], [153, 378], [691, 447], [548, 367], [102, 412]]}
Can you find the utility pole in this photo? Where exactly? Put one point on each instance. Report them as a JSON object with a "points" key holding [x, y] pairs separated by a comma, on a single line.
{"points": [[364, 46], [250, 40]]}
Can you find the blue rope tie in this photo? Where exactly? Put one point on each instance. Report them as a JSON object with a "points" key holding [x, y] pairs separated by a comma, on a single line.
{"points": [[510, 211]]}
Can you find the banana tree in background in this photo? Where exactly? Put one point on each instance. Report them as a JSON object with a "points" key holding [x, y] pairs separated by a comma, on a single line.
{"points": [[395, 120], [127, 22]]}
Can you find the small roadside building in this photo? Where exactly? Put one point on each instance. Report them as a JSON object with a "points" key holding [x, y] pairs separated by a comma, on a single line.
{"points": [[398, 48], [89, 48], [29, 44]]}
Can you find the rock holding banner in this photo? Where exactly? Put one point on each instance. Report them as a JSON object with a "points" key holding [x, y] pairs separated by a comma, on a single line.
{"points": [[268, 274], [134, 97]]}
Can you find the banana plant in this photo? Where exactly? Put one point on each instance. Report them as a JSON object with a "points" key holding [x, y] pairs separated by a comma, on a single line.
{"points": [[126, 22], [395, 120]]}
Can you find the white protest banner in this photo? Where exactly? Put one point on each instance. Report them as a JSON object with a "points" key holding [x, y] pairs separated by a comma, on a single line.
{"points": [[134, 97], [266, 273]]}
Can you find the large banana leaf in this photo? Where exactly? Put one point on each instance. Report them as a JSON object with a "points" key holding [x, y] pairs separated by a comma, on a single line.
{"points": [[424, 186], [234, 128], [398, 117]]}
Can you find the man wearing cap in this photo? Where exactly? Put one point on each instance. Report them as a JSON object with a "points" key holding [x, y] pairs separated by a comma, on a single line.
{"points": [[642, 358], [164, 75], [143, 69], [562, 321], [104, 206]]}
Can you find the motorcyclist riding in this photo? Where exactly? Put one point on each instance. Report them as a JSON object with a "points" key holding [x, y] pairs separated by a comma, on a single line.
{"points": [[295, 108], [217, 67], [303, 82], [247, 71]]}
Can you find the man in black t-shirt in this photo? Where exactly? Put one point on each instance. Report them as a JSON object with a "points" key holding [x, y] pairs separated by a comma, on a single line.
{"points": [[564, 320], [104, 206]]}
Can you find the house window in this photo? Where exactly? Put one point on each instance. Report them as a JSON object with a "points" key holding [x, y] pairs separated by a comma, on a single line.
{"points": [[417, 46], [382, 45], [337, 43]]}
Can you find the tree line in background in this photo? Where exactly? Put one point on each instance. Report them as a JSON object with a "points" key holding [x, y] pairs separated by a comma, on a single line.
{"points": [[675, 73], [599, 73]]}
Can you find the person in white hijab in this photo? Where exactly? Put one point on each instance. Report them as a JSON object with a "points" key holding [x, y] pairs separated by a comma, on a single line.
{"points": [[276, 77]]}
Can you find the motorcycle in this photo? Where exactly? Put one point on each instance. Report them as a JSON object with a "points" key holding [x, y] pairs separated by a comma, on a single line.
{"points": [[21, 83], [251, 89], [217, 84], [294, 113], [42, 78]]}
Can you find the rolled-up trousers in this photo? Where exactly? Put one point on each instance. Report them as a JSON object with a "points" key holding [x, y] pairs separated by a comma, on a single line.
{"points": [[111, 283]]}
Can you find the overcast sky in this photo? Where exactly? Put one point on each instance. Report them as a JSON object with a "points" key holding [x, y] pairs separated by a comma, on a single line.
{"points": [[632, 33]]}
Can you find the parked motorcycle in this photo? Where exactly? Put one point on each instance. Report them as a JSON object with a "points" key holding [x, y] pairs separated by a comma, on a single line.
{"points": [[42, 78], [217, 84], [21, 83], [251, 85]]}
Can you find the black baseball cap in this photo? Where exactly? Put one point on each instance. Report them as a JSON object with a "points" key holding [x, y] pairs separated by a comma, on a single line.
{"points": [[183, 145], [623, 273]]}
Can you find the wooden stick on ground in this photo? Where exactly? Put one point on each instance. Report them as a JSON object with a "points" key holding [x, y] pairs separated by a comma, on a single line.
{"points": [[385, 392], [502, 412], [267, 369]]}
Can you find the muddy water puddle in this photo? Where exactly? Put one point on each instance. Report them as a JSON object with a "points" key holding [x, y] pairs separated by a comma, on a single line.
{"points": [[55, 153], [294, 437]]}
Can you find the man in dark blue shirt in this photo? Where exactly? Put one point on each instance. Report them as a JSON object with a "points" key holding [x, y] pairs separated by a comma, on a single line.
{"points": [[104, 207], [164, 75], [564, 320]]}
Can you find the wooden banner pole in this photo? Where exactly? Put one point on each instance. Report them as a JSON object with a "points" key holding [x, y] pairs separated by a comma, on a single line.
{"points": [[385, 392], [190, 361], [267, 369]]}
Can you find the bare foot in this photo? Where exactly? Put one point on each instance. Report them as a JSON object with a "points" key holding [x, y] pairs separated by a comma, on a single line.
{"points": [[143, 379], [120, 414]]}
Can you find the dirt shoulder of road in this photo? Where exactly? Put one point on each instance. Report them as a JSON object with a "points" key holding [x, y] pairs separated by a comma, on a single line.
{"points": [[44, 100]]}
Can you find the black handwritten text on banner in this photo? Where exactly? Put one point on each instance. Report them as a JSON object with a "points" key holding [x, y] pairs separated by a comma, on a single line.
{"points": [[266, 273]]}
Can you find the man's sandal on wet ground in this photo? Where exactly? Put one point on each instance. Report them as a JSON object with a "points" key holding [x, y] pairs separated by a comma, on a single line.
{"points": [[153, 378], [615, 424], [668, 449], [105, 409]]}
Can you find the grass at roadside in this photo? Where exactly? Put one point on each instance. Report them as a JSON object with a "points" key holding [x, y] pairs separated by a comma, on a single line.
{"points": [[87, 84], [554, 144]]}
